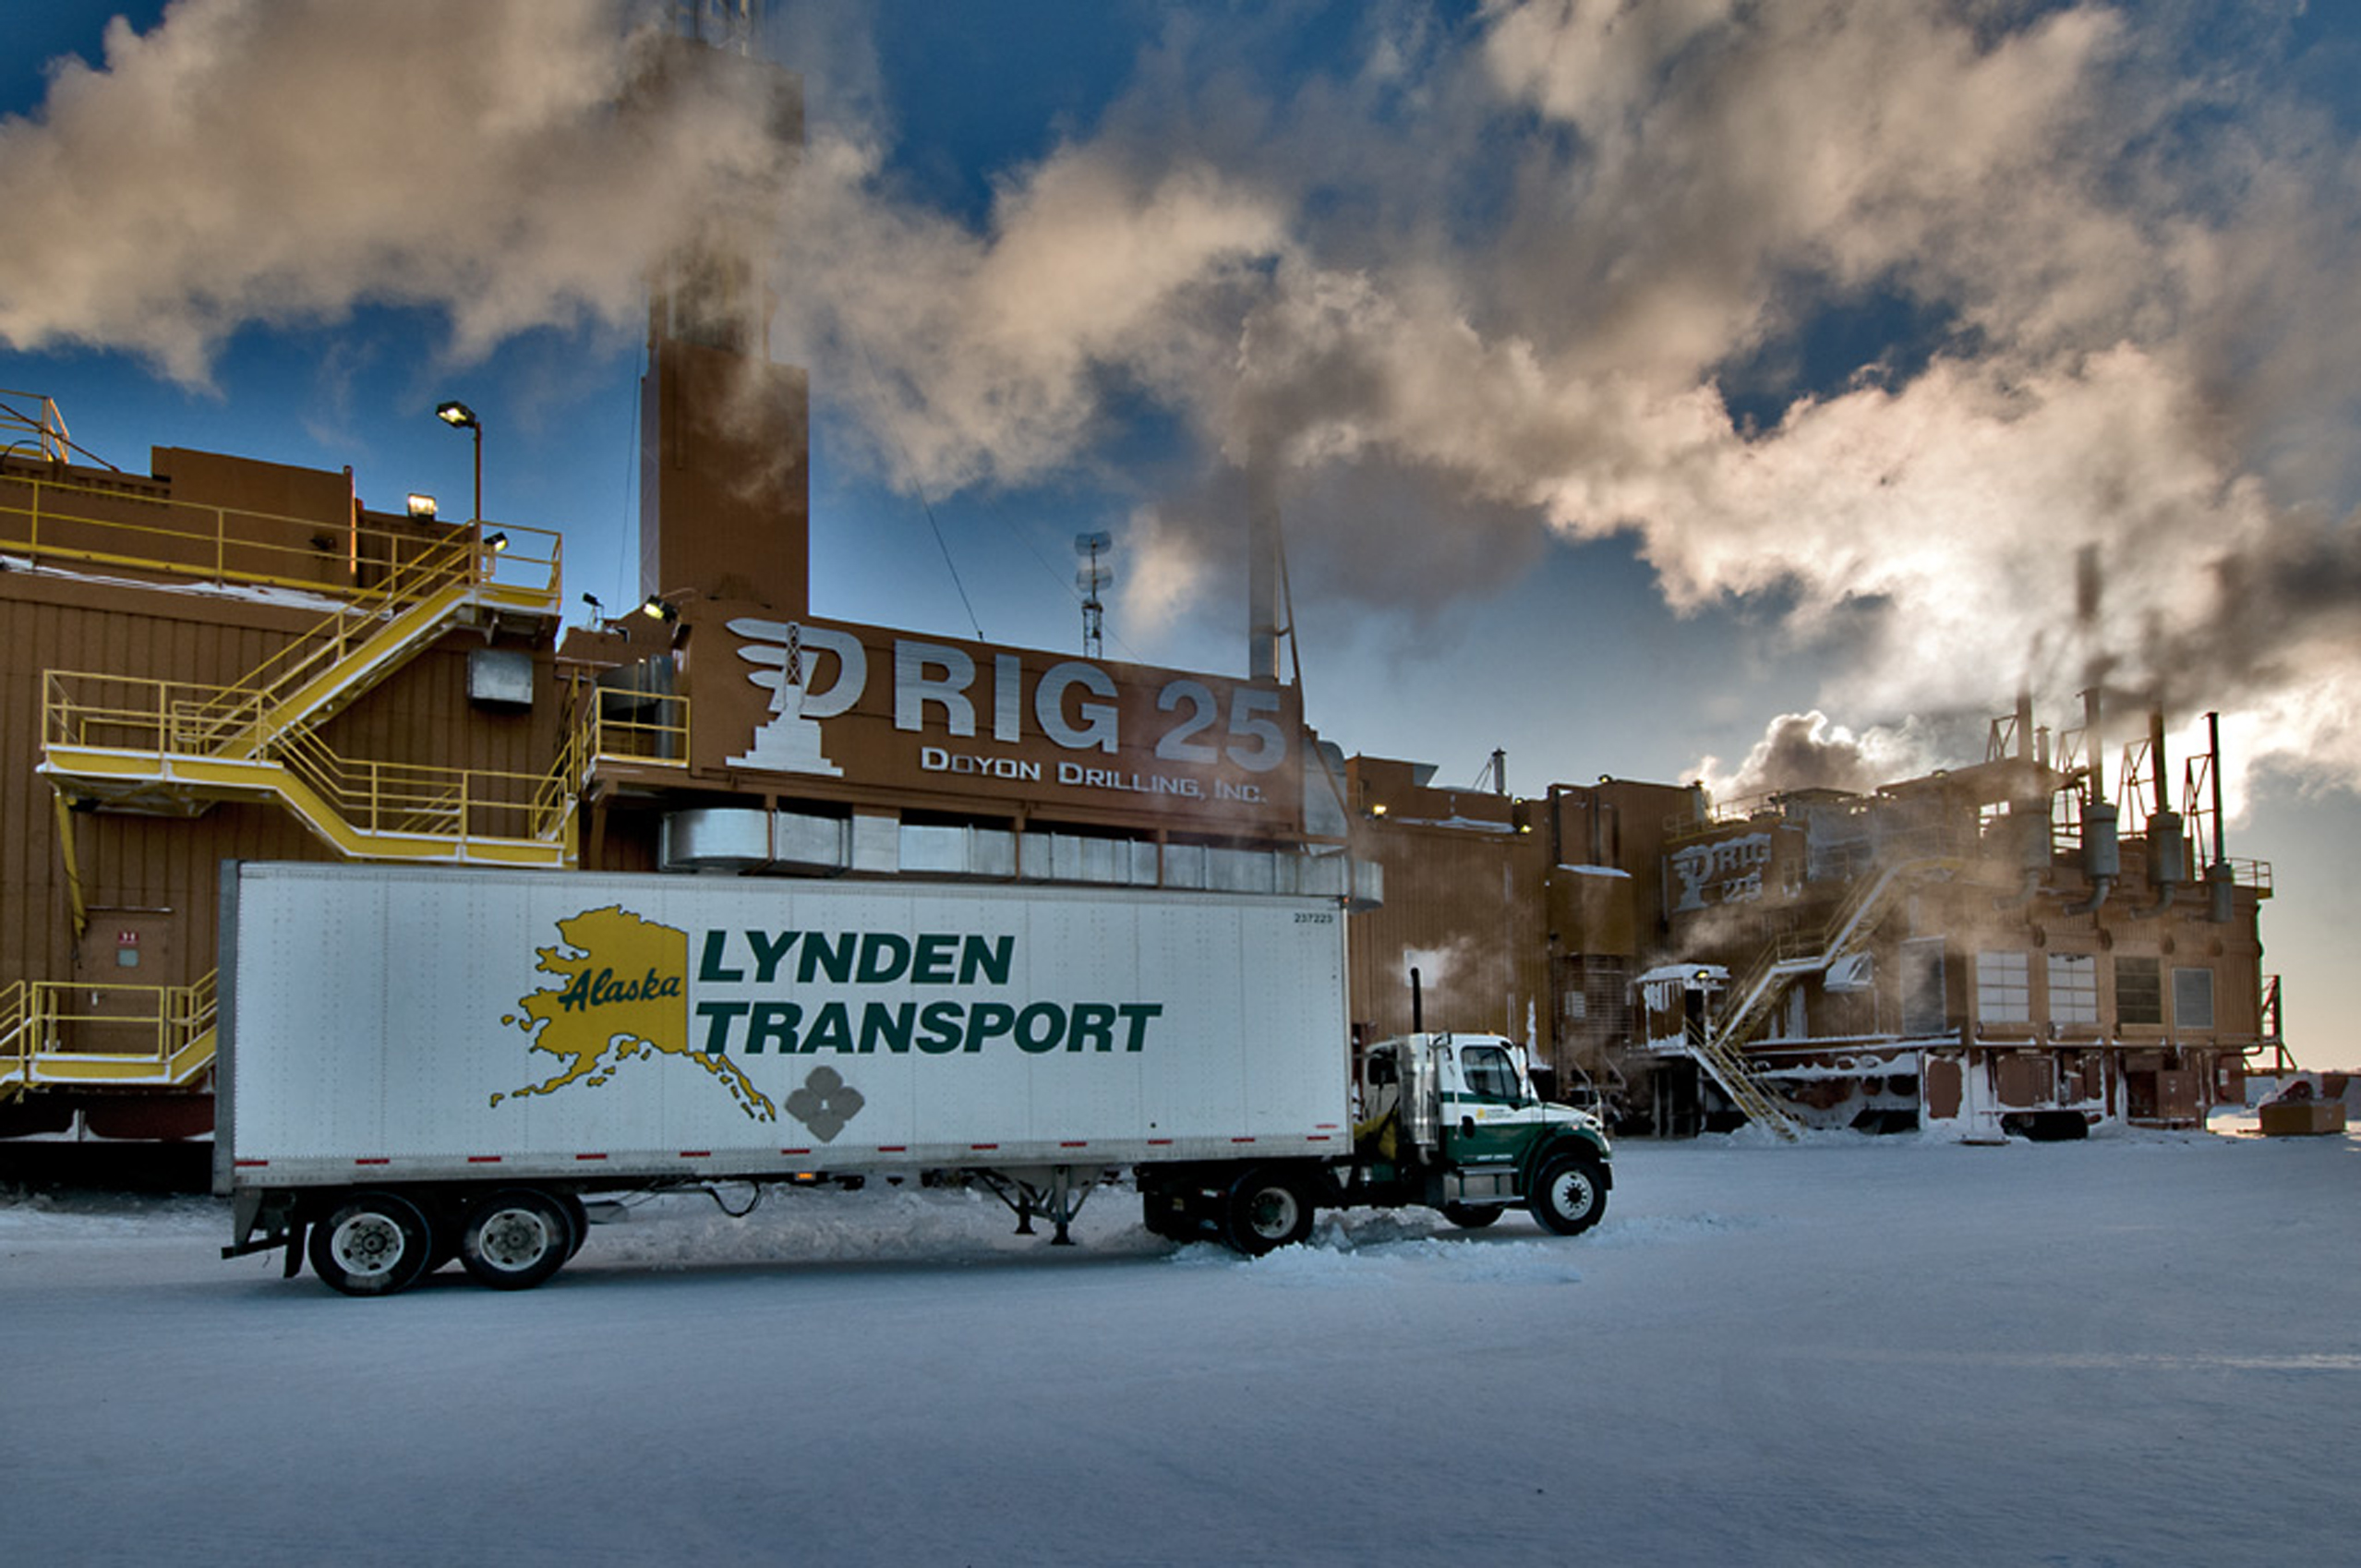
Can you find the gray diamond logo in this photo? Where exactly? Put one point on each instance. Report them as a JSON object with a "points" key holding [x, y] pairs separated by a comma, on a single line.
{"points": [[824, 1103]]}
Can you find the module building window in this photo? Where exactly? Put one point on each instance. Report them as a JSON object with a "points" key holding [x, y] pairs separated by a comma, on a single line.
{"points": [[2003, 987], [2193, 998], [2073, 988], [2139, 991]]}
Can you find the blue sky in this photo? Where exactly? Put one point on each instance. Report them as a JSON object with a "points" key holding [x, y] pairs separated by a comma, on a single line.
{"points": [[1642, 376]]}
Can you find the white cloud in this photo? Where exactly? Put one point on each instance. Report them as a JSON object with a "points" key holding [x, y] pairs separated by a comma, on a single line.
{"points": [[249, 161]]}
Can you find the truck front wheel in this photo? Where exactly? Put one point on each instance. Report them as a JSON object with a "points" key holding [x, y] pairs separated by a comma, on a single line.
{"points": [[516, 1238], [1571, 1195], [372, 1243], [1264, 1211]]}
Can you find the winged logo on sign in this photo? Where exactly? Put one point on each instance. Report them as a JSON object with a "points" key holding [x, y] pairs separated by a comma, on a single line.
{"points": [[789, 742]]}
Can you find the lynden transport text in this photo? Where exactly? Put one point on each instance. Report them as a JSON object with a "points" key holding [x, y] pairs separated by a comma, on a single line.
{"points": [[758, 1024]]}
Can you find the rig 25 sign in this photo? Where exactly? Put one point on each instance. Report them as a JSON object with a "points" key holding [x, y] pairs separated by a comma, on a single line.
{"points": [[895, 711]]}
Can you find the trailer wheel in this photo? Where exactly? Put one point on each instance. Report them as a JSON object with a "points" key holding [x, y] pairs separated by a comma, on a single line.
{"points": [[1473, 1216], [1571, 1195], [1264, 1211], [372, 1243], [516, 1238]]}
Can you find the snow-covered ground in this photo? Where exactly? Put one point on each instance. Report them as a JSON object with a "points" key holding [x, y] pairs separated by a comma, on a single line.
{"points": [[2143, 1350]]}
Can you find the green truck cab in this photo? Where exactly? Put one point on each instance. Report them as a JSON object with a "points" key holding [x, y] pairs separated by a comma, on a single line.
{"points": [[1450, 1122]]}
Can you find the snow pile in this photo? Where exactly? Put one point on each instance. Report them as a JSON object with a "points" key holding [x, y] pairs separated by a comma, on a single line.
{"points": [[100, 1217], [2305, 1087], [882, 1222], [1346, 1254], [1656, 1230]]}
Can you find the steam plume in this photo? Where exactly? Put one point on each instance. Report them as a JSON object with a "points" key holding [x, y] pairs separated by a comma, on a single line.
{"points": [[1540, 271], [283, 160]]}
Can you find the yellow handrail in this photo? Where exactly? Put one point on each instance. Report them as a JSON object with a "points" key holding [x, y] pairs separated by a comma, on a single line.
{"points": [[48, 429], [392, 571], [145, 719], [15, 1042], [136, 524], [607, 725], [448, 565], [37, 1016]]}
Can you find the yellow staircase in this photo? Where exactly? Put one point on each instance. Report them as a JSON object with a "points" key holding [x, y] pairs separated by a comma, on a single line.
{"points": [[130, 743], [1720, 1050], [357, 647], [177, 747], [57, 1033]]}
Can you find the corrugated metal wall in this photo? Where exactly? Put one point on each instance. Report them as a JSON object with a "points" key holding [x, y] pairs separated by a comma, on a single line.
{"points": [[1467, 906]]}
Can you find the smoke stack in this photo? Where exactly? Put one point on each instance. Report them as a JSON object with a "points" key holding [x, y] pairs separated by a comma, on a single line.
{"points": [[724, 448]]}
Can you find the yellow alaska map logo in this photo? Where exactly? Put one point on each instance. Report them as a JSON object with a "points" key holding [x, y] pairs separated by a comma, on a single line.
{"points": [[623, 995]]}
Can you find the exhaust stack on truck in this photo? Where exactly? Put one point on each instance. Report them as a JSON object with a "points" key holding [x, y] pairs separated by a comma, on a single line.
{"points": [[423, 1064]]}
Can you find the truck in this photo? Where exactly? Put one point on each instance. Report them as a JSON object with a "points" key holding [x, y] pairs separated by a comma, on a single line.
{"points": [[423, 1064]]}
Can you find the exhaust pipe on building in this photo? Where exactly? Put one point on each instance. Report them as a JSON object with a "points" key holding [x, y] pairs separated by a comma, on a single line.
{"points": [[2167, 848], [2029, 815], [2220, 881], [2101, 853]]}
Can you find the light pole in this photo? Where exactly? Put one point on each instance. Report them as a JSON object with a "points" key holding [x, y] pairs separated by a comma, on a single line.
{"points": [[459, 417]]}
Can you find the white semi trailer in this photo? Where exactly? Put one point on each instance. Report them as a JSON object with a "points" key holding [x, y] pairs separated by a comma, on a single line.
{"points": [[423, 1064]]}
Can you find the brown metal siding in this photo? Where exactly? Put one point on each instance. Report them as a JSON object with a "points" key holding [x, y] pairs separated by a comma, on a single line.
{"points": [[1478, 898], [422, 714]]}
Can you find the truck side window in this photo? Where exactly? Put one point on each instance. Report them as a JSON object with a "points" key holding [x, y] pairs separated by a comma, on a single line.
{"points": [[1490, 1073]]}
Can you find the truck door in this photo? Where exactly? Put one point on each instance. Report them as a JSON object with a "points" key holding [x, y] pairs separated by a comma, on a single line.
{"points": [[1487, 1114]]}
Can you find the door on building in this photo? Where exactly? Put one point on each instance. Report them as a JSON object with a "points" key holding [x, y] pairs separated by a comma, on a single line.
{"points": [[123, 971]]}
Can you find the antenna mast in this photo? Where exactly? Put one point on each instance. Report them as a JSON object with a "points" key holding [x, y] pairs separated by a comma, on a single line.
{"points": [[1090, 577]]}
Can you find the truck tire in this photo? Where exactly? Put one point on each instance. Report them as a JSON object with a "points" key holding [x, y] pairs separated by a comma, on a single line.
{"points": [[577, 1217], [515, 1239], [1570, 1194], [372, 1243], [1265, 1209], [1473, 1216]]}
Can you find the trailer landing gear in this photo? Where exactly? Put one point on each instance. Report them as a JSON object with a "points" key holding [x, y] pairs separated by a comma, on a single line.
{"points": [[1050, 1192]]}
